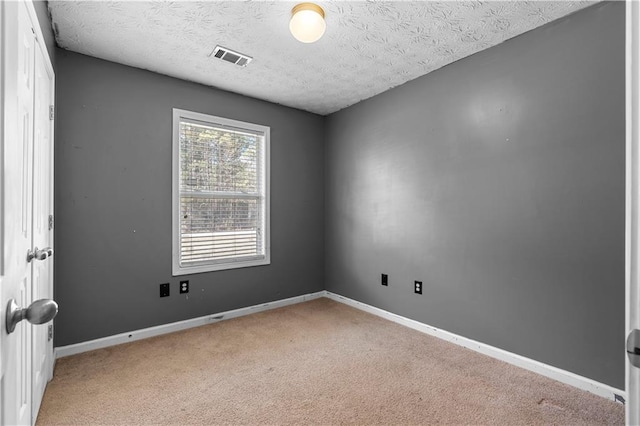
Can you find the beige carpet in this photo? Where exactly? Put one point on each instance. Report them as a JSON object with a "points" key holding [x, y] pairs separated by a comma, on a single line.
{"points": [[318, 362]]}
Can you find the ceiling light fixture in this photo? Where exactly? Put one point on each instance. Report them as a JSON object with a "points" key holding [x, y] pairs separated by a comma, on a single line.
{"points": [[307, 22]]}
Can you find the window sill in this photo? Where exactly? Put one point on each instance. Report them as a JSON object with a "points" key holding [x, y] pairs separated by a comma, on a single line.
{"points": [[198, 269]]}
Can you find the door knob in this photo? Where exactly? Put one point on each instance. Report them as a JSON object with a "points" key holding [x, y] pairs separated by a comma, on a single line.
{"points": [[39, 312], [41, 254], [633, 348]]}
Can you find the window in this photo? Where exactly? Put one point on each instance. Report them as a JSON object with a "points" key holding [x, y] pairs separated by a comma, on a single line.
{"points": [[220, 193]]}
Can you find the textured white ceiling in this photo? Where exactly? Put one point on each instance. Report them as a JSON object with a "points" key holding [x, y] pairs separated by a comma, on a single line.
{"points": [[369, 47]]}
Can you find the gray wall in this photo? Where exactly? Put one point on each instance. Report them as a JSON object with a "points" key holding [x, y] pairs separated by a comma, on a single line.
{"points": [[499, 182], [113, 201]]}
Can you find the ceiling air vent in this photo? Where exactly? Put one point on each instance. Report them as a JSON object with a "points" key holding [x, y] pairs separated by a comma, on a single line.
{"points": [[231, 56]]}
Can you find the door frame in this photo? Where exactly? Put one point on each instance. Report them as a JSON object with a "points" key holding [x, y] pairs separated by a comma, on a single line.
{"points": [[632, 201], [42, 45], [37, 386]]}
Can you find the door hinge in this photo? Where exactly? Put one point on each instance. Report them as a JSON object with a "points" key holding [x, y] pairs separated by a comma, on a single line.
{"points": [[50, 222], [50, 332], [52, 112]]}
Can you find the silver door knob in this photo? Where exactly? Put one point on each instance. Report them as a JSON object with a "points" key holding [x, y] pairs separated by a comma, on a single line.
{"points": [[633, 348], [39, 312], [39, 254]]}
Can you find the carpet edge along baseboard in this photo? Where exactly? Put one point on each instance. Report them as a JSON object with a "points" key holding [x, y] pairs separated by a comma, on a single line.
{"points": [[145, 333], [555, 373], [538, 367]]}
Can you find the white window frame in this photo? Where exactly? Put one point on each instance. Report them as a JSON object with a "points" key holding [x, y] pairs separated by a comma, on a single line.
{"points": [[178, 269]]}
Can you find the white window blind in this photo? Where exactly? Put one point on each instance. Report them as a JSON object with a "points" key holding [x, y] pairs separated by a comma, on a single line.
{"points": [[221, 200]]}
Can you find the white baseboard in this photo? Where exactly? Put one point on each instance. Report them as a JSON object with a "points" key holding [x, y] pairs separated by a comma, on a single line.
{"points": [[546, 370], [144, 333]]}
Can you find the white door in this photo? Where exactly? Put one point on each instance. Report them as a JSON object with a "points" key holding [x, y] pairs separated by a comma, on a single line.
{"points": [[18, 45], [633, 214], [25, 353]]}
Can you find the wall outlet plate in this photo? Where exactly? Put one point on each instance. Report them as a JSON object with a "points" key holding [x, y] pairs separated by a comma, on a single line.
{"points": [[164, 290], [417, 287], [184, 286], [385, 279]]}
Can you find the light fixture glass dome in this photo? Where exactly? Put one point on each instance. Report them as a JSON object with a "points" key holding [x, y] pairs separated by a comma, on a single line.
{"points": [[307, 22]]}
